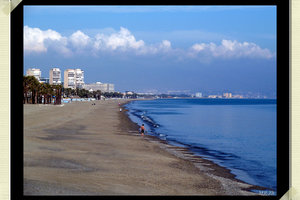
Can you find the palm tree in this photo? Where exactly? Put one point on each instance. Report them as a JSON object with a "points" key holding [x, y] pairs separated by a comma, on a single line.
{"points": [[25, 89], [41, 91], [46, 91], [57, 92], [34, 88], [98, 94], [30, 84], [50, 92]]}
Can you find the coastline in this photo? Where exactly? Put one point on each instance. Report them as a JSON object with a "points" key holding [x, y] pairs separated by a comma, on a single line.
{"points": [[207, 167], [84, 149]]}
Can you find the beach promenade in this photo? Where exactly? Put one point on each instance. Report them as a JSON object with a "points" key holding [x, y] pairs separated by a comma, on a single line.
{"points": [[84, 149]]}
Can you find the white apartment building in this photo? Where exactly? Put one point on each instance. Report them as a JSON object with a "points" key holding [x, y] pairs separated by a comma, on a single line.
{"points": [[108, 87], [73, 78], [55, 76], [79, 76], [103, 87], [69, 78], [198, 95], [34, 72]]}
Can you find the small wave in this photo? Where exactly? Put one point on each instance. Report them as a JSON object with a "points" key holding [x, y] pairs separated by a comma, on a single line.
{"points": [[147, 119]]}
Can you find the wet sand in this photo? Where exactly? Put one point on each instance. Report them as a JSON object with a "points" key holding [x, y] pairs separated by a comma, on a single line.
{"points": [[84, 149]]}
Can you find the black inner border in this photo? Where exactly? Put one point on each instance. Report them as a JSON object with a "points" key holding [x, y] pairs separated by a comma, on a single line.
{"points": [[283, 93]]}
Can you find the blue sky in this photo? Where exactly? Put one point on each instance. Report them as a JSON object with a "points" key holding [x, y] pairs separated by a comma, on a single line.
{"points": [[157, 48]]}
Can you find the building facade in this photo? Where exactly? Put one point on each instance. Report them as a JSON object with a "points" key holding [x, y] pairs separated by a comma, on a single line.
{"points": [[79, 78], [73, 78], [103, 87], [34, 72], [55, 76], [198, 95], [69, 79]]}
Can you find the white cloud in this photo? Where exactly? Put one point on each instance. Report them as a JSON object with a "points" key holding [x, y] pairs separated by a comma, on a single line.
{"points": [[165, 44], [122, 40], [78, 43], [36, 40], [199, 47], [231, 49], [79, 39]]}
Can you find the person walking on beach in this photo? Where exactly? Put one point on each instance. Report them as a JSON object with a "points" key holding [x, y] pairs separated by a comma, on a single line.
{"points": [[142, 128]]}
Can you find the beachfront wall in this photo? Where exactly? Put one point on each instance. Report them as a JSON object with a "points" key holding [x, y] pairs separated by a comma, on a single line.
{"points": [[70, 100]]}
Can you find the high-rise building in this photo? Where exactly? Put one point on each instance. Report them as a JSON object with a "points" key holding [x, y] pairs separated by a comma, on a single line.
{"points": [[73, 78], [55, 76], [34, 72], [79, 76], [69, 78]]}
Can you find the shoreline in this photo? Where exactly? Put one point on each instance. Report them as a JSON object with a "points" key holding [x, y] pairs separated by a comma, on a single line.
{"points": [[214, 170], [85, 149]]}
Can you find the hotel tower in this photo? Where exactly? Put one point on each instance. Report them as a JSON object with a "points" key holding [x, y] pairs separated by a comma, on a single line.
{"points": [[55, 76]]}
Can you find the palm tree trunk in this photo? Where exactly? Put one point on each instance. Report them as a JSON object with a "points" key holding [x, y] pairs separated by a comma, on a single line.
{"points": [[33, 97], [26, 96], [36, 97], [59, 95]]}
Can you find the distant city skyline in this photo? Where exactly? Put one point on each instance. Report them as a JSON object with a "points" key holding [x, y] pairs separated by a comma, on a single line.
{"points": [[37, 73], [157, 48]]}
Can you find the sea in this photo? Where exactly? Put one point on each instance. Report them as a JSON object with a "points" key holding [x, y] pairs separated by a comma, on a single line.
{"points": [[238, 134]]}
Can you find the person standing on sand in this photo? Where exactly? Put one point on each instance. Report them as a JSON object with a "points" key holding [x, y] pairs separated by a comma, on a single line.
{"points": [[120, 107], [142, 128]]}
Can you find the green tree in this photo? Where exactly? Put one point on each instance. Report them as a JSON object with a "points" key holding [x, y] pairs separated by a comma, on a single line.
{"points": [[26, 88], [68, 92], [96, 94], [33, 88], [58, 92], [40, 92], [47, 92]]}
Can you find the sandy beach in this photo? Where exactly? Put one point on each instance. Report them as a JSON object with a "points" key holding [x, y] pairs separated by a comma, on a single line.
{"points": [[84, 149]]}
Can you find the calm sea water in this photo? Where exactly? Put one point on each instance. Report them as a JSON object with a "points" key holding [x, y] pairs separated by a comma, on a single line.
{"points": [[239, 134]]}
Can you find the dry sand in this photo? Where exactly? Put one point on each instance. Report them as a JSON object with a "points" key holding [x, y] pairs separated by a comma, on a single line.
{"points": [[84, 149]]}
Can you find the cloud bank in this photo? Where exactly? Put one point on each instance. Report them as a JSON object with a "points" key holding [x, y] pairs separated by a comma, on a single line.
{"points": [[41, 41], [231, 49]]}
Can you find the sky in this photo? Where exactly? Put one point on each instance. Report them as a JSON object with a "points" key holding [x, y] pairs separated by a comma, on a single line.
{"points": [[157, 48]]}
